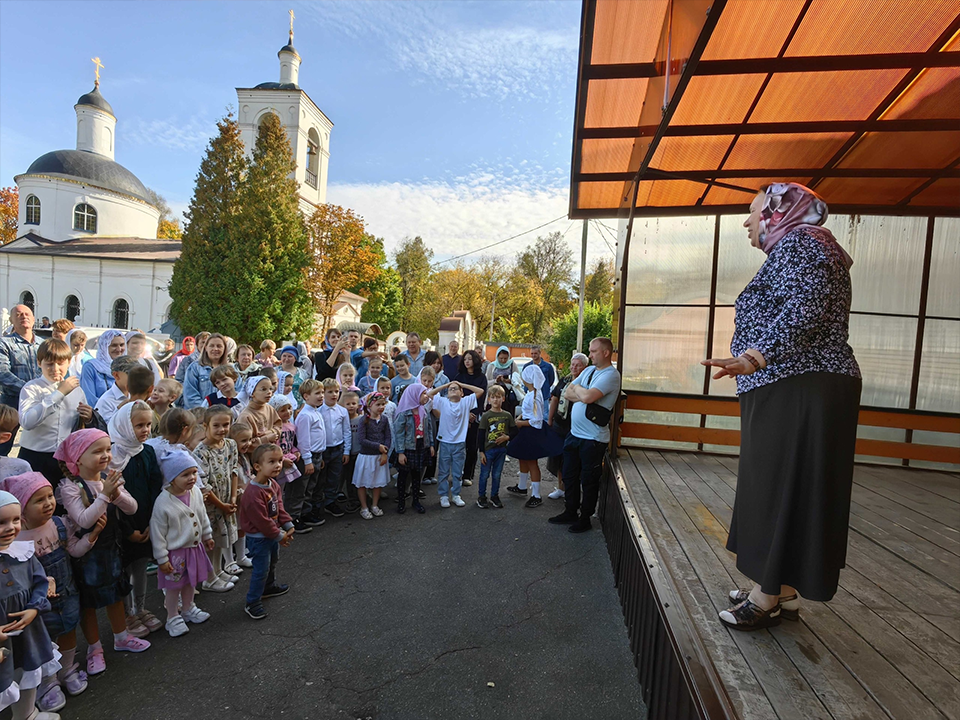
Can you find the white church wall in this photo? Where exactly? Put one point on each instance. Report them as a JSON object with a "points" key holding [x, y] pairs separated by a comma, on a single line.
{"points": [[117, 216], [96, 283]]}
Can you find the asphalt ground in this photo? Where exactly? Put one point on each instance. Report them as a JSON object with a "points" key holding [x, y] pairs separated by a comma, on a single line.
{"points": [[403, 617]]}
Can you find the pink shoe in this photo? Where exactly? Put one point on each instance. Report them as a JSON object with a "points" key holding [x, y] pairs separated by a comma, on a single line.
{"points": [[131, 644], [95, 662]]}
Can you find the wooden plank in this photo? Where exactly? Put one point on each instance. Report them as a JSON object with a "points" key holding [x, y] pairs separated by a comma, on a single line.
{"points": [[739, 681], [910, 421], [917, 523], [946, 485], [937, 685], [709, 475], [692, 405], [897, 695], [680, 433], [908, 451], [933, 506], [939, 646], [717, 570]]}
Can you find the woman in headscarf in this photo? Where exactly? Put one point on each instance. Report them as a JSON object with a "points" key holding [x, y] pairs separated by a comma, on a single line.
{"points": [[187, 347], [799, 387], [96, 377], [534, 439], [471, 373], [136, 348], [501, 371], [77, 340], [291, 363]]}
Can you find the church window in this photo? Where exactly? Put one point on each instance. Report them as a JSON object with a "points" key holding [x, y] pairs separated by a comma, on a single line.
{"points": [[26, 298], [33, 210], [85, 218], [71, 307], [121, 314], [313, 157]]}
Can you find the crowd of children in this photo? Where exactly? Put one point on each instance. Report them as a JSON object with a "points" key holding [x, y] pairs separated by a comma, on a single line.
{"points": [[123, 473]]}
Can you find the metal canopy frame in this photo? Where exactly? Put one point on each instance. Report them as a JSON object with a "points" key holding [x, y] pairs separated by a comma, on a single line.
{"points": [[687, 30]]}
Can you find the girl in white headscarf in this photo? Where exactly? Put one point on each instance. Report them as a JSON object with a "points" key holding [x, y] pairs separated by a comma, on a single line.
{"points": [[534, 440], [77, 340]]}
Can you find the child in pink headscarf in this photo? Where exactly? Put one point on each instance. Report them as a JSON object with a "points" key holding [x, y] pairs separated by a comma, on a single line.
{"points": [[51, 546], [94, 498]]}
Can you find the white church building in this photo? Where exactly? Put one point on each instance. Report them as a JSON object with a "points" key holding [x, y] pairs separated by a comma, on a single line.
{"points": [[87, 241]]}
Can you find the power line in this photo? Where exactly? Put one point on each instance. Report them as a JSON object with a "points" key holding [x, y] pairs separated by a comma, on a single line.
{"points": [[500, 242], [604, 238]]}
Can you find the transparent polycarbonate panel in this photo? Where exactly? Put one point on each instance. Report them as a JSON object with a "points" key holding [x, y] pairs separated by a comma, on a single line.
{"points": [[737, 261], [943, 296], [884, 349], [671, 260], [660, 418], [722, 335], [939, 387], [725, 422], [887, 257], [663, 347]]}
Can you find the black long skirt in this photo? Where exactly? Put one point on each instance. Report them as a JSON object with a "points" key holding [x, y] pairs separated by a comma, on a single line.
{"points": [[792, 509]]}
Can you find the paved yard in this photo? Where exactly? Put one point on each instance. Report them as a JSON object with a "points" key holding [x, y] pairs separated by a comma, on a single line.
{"points": [[401, 617]]}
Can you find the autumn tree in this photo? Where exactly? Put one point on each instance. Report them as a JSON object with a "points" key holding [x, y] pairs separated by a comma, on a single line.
{"points": [[342, 255], [542, 276], [202, 284], [412, 260], [598, 286], [384, 304], [9, 214], [265, 269], [168, 227]]}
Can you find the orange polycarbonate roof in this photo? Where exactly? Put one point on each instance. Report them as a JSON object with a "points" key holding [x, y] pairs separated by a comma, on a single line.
{"points": [[690, 105]]}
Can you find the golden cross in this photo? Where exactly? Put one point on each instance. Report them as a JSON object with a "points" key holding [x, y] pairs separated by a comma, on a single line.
{"points": [[96, 61], [292, 16]]}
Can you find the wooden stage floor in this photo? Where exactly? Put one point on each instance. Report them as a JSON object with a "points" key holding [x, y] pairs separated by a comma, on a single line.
{"points": [[888, 644]]}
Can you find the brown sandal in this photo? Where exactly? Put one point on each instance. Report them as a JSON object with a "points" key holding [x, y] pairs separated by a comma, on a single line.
{"points": [[747, 616]]}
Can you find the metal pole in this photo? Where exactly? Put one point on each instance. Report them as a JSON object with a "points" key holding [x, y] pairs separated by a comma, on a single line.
{"points": [[583, 285], [493, 310]]}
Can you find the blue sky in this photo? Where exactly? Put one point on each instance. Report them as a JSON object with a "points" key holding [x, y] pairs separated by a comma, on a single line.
{"points": [[452, 120]]}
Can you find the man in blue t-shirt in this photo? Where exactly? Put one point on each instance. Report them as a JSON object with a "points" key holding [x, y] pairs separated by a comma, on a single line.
{"points": [[584, 447], [549, 373]]}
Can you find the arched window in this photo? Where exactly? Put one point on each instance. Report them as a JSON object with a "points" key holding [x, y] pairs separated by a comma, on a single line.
{"points": [[313, 157], [85, 218], [33, 210], [26, 298], [71, 307], [121, 314]]}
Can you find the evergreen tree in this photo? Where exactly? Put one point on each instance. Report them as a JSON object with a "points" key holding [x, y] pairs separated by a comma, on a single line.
{"points": [[201, 287], [597, 322], [413, 264], [598, 286], [266, 266]]}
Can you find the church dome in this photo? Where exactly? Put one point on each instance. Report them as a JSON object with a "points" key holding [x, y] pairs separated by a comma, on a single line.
{"points": [[92, 167], [277, 86], [95, 99]]}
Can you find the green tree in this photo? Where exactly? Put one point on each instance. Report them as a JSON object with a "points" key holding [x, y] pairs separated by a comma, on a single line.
{"points": [[598, 286], [384, 296], [412, 261], [201, 287], [597, 322], [269, 256], [168, 227], [548, 264], [342, 255]]}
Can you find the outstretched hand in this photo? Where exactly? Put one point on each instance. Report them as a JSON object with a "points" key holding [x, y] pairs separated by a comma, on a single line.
{"points": [[730, 367]]}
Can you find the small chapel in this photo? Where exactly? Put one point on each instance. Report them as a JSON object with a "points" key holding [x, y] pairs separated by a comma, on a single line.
{"points": [[87, 246]]}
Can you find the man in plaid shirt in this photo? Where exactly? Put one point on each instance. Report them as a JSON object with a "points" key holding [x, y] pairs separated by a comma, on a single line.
{"points": [[18, 361]]}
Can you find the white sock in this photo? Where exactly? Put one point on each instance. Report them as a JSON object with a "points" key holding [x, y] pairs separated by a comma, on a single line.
{"points": [[524, 477], [536, 489], [119, 637], [240, 548]]}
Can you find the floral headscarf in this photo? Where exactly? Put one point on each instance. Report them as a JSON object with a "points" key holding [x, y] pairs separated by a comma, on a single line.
{"points": [[76, 445], [788, 206], [246, 392], [370, 400]]}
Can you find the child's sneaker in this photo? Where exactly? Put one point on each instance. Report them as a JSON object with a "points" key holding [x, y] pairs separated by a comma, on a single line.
{"points": [[418, 506], [495, 501], [482, 502], [95, 662], [245, 562], [176, 626], [515, 489], [556, 494], [75, 681], [132, 644], [444, 501], [377, 512], [135, 627], [195, 615], [467, 482], [52, 700], [366, 514], [458, 501], [533, 502], [255, 611], [149, 620], [301, 528], [275, 590]]}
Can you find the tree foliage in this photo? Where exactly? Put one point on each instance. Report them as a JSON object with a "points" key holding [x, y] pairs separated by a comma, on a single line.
{"points": [[412, 260], [9, 214], [168, 226], [384, 304], [342, 255], [547, 266], [562, 344], [598, 286]]}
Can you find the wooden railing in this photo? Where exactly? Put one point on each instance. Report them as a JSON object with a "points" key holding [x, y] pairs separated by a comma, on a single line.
{"points": [[908, 420]]}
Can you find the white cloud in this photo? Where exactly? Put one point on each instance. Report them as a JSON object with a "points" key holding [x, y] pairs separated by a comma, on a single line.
{"points": [[191, 135], [454, 219], [512, 60]]}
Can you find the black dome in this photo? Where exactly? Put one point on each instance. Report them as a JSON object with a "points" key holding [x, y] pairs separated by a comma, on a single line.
{"points": [[277, 86], [289, 48], [83, 165], [96, 99]]}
